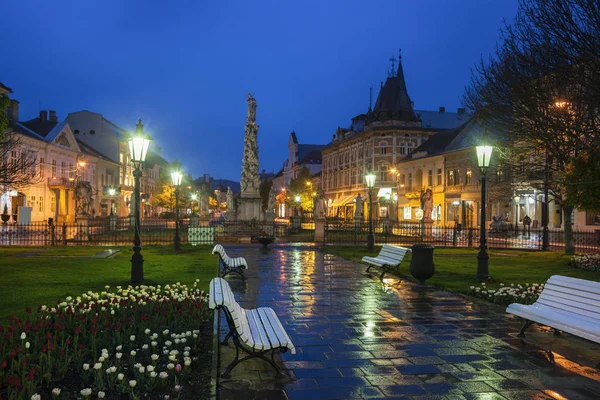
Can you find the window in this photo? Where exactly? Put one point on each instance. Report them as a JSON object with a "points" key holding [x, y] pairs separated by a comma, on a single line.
{"points": [[409, 148], [409, 181], [71, 171], [499, 175], [407, 213], [451, 178], [63, 169], [53, 168], [383, 169], [41, 204], [52, 203], [439, 177], [42, 167], [31, 201], [402, 149], [430, 178], [383, 147], [402, 180], [469, 177]]}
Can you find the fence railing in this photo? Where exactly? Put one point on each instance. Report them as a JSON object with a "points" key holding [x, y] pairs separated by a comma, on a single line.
{"points": [[119, 231]]}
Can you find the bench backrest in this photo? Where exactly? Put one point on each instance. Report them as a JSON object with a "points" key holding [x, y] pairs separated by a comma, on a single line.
{"points": [[393, 252], [221, 295], [576, 296], [220, 250]]}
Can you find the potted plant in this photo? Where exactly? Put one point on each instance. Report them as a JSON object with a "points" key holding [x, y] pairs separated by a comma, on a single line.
{"points": [[5, 215]]}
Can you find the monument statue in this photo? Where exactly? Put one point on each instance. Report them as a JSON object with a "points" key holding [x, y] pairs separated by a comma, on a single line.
{"points": [[83, 198], [427, 204], [358, 213], [250, 178], [230, 200], [271, 202]]}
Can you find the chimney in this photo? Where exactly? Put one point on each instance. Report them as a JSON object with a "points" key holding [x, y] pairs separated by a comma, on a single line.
{"points": [[53, 117], [43, 115], [461, 110], [442, 110], [13, 111]]}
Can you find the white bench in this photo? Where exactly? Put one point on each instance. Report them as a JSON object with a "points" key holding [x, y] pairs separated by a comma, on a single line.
{"points": [[228, 264], [388, 258], [567, 304], [257, 331]]}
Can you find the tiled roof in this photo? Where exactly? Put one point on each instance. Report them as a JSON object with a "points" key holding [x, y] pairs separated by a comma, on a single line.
{"points": [[306, 149], [436, 144], [313, 157], [39, 126], [91, 151]]}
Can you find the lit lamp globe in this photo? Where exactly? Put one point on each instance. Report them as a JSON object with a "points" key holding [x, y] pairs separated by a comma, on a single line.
{"points": [[370, 178], [138, 147], [176, 178], [484, 155]]}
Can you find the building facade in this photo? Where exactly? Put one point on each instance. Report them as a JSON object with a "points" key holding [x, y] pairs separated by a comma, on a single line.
{"points": [[378, 141]]}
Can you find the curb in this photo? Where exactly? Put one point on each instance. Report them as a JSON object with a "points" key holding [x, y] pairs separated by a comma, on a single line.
{"points": [[214, 373]]}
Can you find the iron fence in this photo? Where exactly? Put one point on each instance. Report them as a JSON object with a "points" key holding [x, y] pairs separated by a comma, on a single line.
{"points": [[119, 231]]}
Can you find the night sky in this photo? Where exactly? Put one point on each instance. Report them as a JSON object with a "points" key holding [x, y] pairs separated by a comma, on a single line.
{"points": [[185, 67]]}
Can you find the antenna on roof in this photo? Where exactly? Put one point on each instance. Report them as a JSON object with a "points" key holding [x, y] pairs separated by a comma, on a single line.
{"points": [[393, 70], [370, 98], [399, 59]]}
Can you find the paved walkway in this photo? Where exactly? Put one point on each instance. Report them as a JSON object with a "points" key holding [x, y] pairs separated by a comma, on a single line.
{"points": [[359, 338]]}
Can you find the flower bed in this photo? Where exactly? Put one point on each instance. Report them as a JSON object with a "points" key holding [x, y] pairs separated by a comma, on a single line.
{"points": [[506, 295], [113, 344], [590, 262]]}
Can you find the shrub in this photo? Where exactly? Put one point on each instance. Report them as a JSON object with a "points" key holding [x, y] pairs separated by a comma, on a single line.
{"points": [[115, 343], [506, 295], [590, 262]]}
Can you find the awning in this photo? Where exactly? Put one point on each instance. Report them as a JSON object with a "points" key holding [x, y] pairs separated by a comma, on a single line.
{"points": [[343, 200], [383, 191]]}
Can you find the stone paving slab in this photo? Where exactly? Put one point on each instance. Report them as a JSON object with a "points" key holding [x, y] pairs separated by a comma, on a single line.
{"points": [[357, 337]]}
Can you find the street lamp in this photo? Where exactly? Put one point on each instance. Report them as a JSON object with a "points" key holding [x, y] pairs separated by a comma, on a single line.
{"points": [[138, 147], [387, 203], [194, 198], [370, 178], [111, 193], [297, 198], [484, 154], [176, 180]]}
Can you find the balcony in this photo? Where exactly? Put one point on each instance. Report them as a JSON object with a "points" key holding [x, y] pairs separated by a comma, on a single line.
{"points": [[61, 183]]}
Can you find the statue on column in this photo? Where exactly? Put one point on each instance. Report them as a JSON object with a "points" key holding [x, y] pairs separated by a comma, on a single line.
{"points": [[230, 200], [427, 204], [271, 202], [250, 181], [358, 213]]}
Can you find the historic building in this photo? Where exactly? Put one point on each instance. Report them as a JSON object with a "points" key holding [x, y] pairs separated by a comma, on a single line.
{"points": [[378, 141]]}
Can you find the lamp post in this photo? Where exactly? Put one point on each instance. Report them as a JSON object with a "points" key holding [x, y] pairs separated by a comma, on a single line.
{"points": [[194, 198], [484, 154], [396, 206], [176, 180], [111, 193], [370, 178], [297, 198], [138, 147], [387, 203]]}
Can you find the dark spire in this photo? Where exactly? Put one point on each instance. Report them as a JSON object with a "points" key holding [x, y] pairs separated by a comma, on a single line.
{"points": [[139, 128], [371, 98], [393, 97]]}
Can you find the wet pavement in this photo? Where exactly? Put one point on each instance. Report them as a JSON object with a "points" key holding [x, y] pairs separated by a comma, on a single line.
{"points": [[357, 337]]}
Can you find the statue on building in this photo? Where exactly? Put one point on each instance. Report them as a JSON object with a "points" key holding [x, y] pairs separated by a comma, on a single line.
{"points": [[358, 213], [271, 201], [427, 204], [83, 198], [230, 200], [250, 181]]}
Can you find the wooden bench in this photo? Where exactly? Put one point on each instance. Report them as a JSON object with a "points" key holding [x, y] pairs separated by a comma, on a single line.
{"points": [[257, 331], [228, 265], [389, 258], [568, 304]]}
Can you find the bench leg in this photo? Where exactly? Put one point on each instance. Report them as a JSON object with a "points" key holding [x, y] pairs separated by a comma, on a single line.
{"points": [[224, 342], [384, 270], [368, 268], [527, 325]]}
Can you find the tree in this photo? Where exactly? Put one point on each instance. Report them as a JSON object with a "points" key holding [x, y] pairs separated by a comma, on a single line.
{"points": [[164, 193], [541, 88], [4, 103], [301, 186], [265, 189]]}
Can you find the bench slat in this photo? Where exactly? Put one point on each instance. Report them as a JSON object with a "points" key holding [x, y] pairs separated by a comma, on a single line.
{"points": [[268, 326]]}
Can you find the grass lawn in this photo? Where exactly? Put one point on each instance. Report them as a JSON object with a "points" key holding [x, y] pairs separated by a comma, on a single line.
{"points": [[33, 276], [455, 269]]}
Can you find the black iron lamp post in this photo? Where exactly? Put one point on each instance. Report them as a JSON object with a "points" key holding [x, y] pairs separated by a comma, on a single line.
{"points": [[176, 180], [138, 147], [484, 154], [370, 178]]}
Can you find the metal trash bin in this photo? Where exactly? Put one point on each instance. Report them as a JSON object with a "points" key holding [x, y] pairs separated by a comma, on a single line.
{"points": [[421, 265]]}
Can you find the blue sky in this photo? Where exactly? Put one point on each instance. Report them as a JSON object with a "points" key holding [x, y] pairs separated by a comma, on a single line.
{"points": [[185, 67]]}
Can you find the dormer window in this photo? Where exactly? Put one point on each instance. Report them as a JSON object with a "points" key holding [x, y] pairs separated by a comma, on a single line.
{"points": [[92, 132]]}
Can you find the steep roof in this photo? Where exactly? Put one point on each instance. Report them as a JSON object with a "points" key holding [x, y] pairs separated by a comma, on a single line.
{"points": [[5, 88], [393, 97], [312, 157], [305, 149], [436, 144], [93, 152], [442, 120], [39, 126]]}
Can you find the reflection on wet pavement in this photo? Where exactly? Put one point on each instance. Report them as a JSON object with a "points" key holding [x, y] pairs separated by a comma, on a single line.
{"points": [[357, 337]]}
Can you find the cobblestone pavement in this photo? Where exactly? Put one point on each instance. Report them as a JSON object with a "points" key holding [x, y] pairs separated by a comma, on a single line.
{"points": [[357, 337]]}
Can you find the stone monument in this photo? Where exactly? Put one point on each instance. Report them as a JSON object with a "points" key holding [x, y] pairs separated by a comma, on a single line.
{"points": [[250, 204], [427, 207]]}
